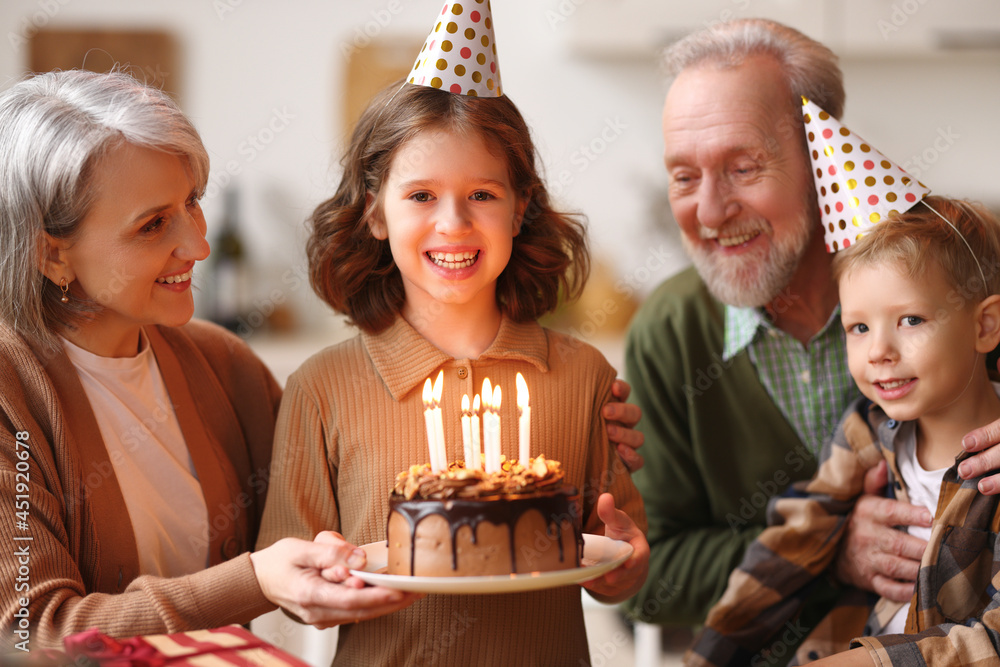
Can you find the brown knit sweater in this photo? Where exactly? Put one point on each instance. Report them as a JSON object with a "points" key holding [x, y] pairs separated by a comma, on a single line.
{"points": [[352, 418], [73, 562]]}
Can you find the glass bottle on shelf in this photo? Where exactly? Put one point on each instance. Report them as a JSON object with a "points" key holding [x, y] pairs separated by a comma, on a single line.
{"points": [[230, 271]]}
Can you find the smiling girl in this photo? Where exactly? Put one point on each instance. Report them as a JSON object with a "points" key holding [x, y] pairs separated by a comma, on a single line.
{"points": [[441, 246]]}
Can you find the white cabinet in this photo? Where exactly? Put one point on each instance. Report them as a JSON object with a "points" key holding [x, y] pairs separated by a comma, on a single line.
{"points": [[912, 27], [639, 29]]}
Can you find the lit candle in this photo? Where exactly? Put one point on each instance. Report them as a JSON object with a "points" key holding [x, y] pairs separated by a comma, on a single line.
{"points": [[488, 431], [442, 454], [523, 421], [467, 431], [429, 423], [477, 451], [495, 428]]}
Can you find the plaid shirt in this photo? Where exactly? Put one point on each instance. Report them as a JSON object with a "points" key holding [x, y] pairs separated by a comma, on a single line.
{"points": [[811, 385], [954, 615]]}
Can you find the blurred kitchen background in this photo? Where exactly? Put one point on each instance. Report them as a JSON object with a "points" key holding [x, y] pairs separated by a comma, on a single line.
{"points": [[274, 87]]}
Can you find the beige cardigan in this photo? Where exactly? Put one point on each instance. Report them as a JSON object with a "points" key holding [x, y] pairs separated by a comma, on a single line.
{"points": [[82, 561], [352, 418]]}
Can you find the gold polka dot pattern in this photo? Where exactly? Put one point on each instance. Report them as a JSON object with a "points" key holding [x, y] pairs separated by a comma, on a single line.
{"points": [[460, 54], [856, 186]]}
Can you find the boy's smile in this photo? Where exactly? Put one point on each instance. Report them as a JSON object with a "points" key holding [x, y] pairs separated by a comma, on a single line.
{"points": [[894, 389]]}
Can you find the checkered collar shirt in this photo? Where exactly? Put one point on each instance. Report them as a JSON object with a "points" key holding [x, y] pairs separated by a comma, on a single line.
{"points": [[812, 385]]}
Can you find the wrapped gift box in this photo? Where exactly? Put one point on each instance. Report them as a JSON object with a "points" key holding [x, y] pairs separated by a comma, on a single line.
{"points": [[220, 647]]}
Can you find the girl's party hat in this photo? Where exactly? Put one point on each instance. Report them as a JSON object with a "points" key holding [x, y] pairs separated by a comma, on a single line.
{"points": [[460, 54], [857, 186]]}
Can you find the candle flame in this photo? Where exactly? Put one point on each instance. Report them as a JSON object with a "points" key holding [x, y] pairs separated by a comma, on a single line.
{"points": [[487, 393], [465, 405], [475, 404], [522, 392], [438, 388], [428, 395], [496, 399]]}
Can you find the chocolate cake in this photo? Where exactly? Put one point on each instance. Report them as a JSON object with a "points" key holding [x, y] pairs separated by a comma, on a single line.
{"points": [[465, 522]]}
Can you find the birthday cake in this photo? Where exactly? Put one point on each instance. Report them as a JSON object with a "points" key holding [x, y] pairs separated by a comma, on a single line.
{"points": [[465, 522]]}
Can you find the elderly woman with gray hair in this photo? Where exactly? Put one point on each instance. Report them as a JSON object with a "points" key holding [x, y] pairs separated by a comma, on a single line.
{"points": [[134, 442]]}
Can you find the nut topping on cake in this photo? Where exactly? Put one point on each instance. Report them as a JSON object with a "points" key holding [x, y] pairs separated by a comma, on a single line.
{"points": [[461, 482]]}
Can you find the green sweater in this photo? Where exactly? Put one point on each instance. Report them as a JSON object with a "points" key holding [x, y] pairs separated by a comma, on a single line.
{"points": [[717, 448]]}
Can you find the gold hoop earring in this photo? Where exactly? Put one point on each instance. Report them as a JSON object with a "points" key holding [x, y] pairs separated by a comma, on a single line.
{"points": [[64, 286]]}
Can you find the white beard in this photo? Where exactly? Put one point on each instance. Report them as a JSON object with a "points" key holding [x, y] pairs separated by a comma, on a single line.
{"points": [[753, 279]]}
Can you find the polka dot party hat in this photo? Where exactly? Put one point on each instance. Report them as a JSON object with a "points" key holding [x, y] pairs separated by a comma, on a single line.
{"points": [[460, 54], [857, 186]]}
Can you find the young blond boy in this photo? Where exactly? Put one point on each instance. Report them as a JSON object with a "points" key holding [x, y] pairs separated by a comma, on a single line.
{"points": [[920, 310]]}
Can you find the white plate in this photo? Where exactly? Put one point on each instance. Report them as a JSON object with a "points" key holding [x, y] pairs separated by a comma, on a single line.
{"points": [[600, 554]]}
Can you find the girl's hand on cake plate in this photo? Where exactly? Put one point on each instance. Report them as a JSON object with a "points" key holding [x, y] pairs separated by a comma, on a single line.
{"points": [[340, 571], [310, 580], [625, 580], [622, 418]]}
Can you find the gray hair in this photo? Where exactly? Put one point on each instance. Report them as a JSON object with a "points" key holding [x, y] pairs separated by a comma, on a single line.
{"points": [[810, 68], [54, 127]]}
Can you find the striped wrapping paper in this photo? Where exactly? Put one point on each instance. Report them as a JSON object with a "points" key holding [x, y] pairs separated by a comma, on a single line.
{"points": [[227, 646]]}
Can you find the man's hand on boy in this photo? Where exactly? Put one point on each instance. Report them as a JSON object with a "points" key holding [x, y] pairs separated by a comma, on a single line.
{"points": [[625, 580], [622, 418], [874, 555], [983, 440]]}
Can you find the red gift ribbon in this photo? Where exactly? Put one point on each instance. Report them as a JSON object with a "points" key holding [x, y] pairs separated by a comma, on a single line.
{"points": [[136, 652], [110, 652]]}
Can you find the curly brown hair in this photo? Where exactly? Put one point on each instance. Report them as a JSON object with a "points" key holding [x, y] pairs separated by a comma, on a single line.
{"points": [[355, 273]]}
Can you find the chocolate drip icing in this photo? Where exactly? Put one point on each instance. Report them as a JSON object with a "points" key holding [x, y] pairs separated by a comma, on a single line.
{"points": [[501, 510]]}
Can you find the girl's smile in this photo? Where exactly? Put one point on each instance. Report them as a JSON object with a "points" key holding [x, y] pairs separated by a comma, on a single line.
{"points": [[454, 260]]}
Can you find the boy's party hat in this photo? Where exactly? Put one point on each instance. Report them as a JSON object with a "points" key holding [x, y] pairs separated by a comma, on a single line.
{"points": [[856, 185], [460, 54]]}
